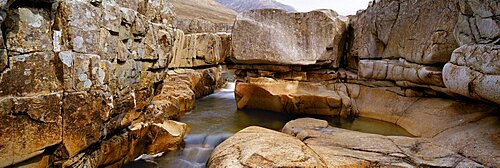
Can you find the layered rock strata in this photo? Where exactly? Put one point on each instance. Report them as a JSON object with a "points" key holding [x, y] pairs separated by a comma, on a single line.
{"points": [[80, 79]]}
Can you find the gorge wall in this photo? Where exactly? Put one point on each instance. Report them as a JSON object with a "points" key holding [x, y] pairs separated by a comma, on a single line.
{"points": [[91, 83], [88, 83]]}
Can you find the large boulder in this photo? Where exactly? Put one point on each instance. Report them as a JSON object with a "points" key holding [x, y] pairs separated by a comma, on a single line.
{"points": [[260, 147], [478, 22], [272, 36], [474, 71]]}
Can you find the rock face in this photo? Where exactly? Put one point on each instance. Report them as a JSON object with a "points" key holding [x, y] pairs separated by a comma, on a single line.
{"points": [[81, 79], [407, 30], [278, 37], [260, 147]]}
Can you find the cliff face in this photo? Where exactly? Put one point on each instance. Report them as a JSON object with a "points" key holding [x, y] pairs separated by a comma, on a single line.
{"points": [[247, 5], [87, 83]]}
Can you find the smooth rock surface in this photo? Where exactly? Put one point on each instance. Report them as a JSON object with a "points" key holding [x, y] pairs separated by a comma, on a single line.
{"points": [[272, 36], [345, 148], [260, 147]]}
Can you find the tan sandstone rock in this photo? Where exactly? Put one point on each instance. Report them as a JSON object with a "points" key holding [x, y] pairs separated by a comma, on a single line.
{"points": [[260, 147], [272, 36]]}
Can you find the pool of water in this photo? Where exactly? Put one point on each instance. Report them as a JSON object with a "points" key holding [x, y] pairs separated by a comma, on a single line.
{"points": [[216, 118]]}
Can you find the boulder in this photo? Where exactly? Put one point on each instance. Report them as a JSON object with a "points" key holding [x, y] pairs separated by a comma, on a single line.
{"points": [[260, 147], [272, 36], [473, 71]]}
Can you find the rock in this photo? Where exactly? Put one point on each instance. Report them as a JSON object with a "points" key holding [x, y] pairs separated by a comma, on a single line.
{"points": [[80, 29], [344, 148], [474, 72], [260, 147], [419, 32], [279, 37], [476, 23], [30, 74], [88, 109], [400, 71], [125, 147], [289, 97], [32, 124], [477, 140], [29, 30], [195, 50]]}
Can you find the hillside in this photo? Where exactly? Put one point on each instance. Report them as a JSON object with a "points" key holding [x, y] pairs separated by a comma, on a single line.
{"points": [[208, 9], [246, 5]]}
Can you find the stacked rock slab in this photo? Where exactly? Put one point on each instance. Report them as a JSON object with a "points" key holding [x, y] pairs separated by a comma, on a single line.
{"points": [[78, 78]]}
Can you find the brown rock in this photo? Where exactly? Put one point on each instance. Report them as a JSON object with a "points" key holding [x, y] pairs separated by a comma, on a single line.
{"points": [[84, 109], [288, 38], [288, 96], [260, 147], [30, 74], [29, 30], [31, 123]]}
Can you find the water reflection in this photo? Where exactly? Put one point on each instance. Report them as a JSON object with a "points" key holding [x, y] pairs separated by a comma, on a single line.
{"points": [[216, 118]]}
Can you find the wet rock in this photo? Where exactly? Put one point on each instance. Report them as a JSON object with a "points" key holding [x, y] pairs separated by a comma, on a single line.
{"points": [[339, 147], [473, 71], [315, 37], [28, 30], [406, 29], [260, 147]]}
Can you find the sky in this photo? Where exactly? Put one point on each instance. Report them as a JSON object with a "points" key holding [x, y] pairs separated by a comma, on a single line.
{"points": [[343, 7]]}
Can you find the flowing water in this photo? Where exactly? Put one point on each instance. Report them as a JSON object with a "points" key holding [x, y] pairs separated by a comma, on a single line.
{"points": [[216, 118]]}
